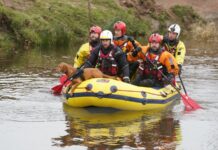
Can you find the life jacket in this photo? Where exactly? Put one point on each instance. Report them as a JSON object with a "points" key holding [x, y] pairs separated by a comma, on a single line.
{"points": [[152, 71], [125, 43], [122, 42], [107, 63]]}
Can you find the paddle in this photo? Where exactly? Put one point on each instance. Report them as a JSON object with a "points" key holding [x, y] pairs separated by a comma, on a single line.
{"points": [[63, 78], [58, 88], [190, 104]]}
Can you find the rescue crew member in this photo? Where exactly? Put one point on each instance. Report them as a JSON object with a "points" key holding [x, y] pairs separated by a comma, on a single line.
{"points": [[84, 51], [109, 58], [155, 62], [174, 45], [126, 43]]}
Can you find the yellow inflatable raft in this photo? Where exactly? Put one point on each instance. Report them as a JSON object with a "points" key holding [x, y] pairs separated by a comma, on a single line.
{"points": [[101, 92]]}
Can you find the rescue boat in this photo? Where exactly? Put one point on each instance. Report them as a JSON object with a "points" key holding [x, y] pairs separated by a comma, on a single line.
{"points": [[102, 92]]}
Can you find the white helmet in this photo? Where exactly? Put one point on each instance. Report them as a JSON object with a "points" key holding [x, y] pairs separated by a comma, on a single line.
{"points": [[175, 28], [106, 35]]}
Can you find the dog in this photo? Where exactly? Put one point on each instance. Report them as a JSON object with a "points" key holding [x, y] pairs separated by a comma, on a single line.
{"points": [[88, 73]]}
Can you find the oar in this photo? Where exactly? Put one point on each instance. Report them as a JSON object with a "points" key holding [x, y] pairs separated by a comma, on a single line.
{"points": [[63, 78], [192, 102], [189, 103], [58, 88]]}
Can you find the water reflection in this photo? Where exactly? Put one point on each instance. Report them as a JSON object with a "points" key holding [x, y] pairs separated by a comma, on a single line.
{"points": [[35, 60], [26, 104], [110, 129]]}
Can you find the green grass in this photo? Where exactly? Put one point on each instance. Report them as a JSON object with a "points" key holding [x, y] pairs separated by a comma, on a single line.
{"points": [[162, 17], [186, 14], [49, 24]]}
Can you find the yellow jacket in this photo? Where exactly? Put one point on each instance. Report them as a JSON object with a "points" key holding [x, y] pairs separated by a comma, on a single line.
{"points": [[178, 51], [82, 55]]}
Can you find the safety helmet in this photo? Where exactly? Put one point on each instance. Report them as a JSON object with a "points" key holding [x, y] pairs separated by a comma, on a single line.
{"points": [[175, 28], [106, 35], [120, 25], [155, 37], [95, 29]]}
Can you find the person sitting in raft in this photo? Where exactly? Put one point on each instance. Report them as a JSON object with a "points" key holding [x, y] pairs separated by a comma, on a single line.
{"points": [[85, 50], [174, 45], [111, 60], [126, 43], [156, 63]]}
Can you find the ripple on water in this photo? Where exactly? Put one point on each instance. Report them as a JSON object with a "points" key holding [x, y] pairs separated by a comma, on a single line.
{"points": [[32, 99]]}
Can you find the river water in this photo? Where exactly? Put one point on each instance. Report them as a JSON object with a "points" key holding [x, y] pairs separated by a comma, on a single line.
{"points": [[32, 118]]}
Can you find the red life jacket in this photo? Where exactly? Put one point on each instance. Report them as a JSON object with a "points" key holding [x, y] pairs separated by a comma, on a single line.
{"points": [[149, 70], [107, 63]]}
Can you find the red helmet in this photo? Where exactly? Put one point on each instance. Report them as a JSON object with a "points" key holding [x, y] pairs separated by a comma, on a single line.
{"points": [[155, 37], [119, 25], [95, 29]]}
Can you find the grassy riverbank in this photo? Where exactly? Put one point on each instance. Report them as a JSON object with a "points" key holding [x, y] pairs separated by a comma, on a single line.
{"points": [[64, 24]]}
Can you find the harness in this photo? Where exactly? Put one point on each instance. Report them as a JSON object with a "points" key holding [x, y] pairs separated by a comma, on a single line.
{"points": [[151, 68], [172, 49], [107, 63]]}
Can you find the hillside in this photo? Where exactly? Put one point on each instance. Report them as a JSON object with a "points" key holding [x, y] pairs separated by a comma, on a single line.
{"points": [[50, 24], [206, 8]]}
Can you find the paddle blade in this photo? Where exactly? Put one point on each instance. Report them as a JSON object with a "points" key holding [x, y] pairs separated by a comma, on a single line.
{"points": [[57, 89], [63, 78], [189, 103]]}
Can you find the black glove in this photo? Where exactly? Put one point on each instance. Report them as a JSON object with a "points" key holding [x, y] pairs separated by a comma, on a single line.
{"points": [[169, 78], [131, 39], [180, 69], [126, 79], [135, 52]]}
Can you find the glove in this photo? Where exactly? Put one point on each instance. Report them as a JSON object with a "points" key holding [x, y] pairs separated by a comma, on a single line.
{"points": [[180, 69], [126, 79], [169, 79], [131, 39], [135, 52]]}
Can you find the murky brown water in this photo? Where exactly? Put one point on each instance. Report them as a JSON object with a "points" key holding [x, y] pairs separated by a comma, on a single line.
{"points": [[32, 118]]}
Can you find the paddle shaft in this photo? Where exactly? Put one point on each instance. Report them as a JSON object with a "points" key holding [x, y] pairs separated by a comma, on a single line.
{"points": [[180, 78], [184, 98], [165, 77], [189, 103], [76, 75]]}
